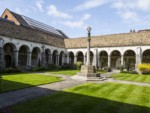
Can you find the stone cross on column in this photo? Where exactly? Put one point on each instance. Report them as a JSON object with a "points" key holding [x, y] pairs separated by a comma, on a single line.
{"points": [[88, 45]]}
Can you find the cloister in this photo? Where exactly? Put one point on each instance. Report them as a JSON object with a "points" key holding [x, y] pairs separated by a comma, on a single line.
{"points": [[21, 54], [26, 43]]}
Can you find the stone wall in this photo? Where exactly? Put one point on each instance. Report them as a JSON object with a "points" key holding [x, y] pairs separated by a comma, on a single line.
{"points": [[13, 31]]}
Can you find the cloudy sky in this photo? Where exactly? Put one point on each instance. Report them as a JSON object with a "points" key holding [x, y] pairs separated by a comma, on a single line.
{"points": [[73, 16]]}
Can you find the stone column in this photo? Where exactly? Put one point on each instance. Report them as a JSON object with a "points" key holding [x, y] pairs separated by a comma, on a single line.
{"points": [[16, 53], [122, 61], [99, 62], [2, 62], [85, 60], [88, 51], [57, 60], [67, 59], [138, 58], [49, 59], [29, 59], [75, 59], [109, 61], [95, 61]]}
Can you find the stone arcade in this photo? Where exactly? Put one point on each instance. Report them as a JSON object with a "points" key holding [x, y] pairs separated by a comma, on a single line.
{"points": [[25, 42]]}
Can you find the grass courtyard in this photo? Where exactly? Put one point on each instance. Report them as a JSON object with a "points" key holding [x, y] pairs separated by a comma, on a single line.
{"points": [[19, 81], [132, 77], [64, 72], [70, 72], [91, 98]]}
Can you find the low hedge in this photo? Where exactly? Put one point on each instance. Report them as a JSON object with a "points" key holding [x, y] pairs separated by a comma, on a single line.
{"points": [[38, 69], [144, 68], [11, 70]]}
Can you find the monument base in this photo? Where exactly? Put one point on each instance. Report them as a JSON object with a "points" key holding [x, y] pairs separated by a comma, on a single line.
{"points": [[88, 73]]}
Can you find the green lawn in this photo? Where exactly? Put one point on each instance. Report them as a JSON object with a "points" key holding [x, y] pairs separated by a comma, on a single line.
{"points": [[132, 77], [70, 72], [91, 98], [19, 81], [65, 72]]}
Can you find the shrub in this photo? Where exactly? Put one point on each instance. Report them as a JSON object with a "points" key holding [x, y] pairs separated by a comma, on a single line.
{"points": [[67, 66], [37, 69], [78, 65], [51, 66], [0, 83], [144, 68], [11, 70]]}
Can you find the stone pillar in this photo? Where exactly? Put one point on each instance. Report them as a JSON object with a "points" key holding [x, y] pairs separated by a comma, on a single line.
{"points": [[29, 59], [49, 59], [2, 62], [16, 53], [75, 59], [43, 59], [57, 60], [109, 62], [67, 59], [138, 58], [122, 61], [85, 60], [99, 62], [88, 51], [95, 61]]}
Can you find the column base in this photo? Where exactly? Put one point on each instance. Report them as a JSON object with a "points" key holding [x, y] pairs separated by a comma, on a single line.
{"points": [[88, 73]]}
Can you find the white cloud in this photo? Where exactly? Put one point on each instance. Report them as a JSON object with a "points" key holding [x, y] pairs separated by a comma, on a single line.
{"points": [[39, 5], [18, 10], [144, 4], [53, 11], [90, 4], [129, 15], [78, 24]]}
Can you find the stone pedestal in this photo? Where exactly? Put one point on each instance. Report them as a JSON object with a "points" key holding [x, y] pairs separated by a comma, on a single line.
{"points": [[88, 71]]}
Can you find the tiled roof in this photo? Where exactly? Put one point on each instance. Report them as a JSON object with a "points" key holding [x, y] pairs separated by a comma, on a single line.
{"points": [[115, 40]]}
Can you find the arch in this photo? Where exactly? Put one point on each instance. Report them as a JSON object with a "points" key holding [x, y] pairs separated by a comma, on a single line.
{"points": [[146, 56], [129, 59], [23, 56], [35, 57], [62, 58], [6, 17], [115, 59], [103, 59], [91, 57], [80, 56], [71, 58], [9, 54], [47, 56], [54, 57]]}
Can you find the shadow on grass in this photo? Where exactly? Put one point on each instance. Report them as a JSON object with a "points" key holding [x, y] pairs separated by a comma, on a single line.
{"points": [[61, 102]]}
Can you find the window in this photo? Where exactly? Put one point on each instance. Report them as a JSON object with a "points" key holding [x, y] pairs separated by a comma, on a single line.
{"points": [[6, 17]]}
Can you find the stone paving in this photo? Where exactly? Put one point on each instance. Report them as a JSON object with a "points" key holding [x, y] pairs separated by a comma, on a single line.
{"points": [[13, 97]]}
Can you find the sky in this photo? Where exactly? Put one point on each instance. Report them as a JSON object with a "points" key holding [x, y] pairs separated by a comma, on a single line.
{"points": [[74, 16]]}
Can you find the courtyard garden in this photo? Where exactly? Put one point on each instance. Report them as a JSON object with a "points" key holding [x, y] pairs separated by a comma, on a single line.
{"points": [[132, 77], [91, 98], [23, 80]]}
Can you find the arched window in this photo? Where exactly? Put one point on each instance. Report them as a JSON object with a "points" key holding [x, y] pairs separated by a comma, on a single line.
{"points": [[6, 17]]}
